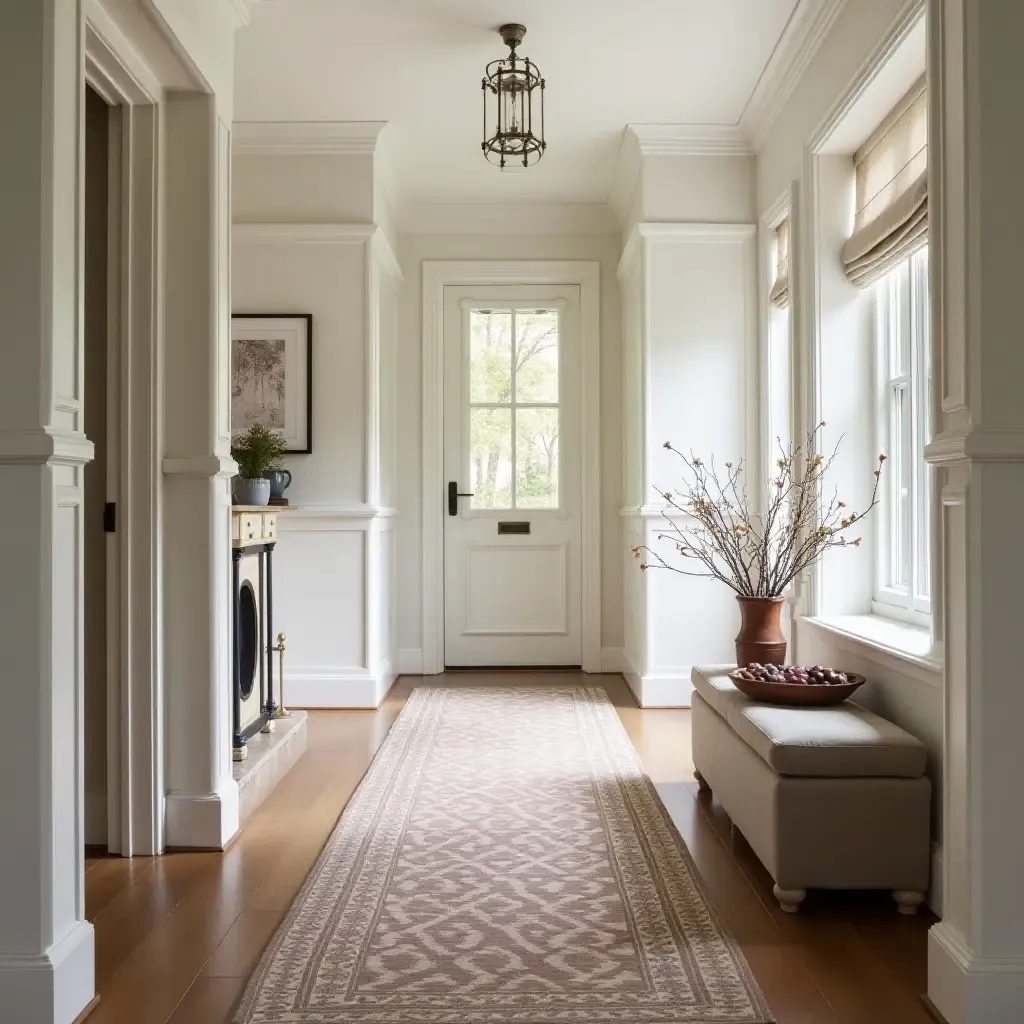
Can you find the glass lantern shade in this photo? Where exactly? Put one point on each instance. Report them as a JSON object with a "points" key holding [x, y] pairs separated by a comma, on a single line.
{"points": [[513, 93]]}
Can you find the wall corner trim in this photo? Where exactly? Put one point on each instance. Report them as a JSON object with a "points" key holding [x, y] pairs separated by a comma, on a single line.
{"points": [[690, 140], [807, 29], [305, 138]]}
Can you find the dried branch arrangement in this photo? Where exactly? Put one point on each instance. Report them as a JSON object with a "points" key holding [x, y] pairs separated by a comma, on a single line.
{"points": [[718, 536]]}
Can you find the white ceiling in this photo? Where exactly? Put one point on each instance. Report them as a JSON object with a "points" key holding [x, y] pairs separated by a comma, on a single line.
{"points": [[417, 64]]}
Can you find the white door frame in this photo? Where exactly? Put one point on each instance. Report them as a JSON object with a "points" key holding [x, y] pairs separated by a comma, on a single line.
{"points": [[135, 786], [436, 276]]}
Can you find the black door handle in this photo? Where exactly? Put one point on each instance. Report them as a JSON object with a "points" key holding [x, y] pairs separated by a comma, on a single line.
{"points": [[453, 497]]}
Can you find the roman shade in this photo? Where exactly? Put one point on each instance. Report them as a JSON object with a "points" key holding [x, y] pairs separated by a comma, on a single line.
{"points": [[891, 219], [779, 294]]}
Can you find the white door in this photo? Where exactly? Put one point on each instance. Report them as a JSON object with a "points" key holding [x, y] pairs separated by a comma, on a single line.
{"points": [[512, 559]]}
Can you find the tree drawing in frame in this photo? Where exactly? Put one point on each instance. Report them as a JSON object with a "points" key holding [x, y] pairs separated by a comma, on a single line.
{"points": [[272, 375], [257, 383]]}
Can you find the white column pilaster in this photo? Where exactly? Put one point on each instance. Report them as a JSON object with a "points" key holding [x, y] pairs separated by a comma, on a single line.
{"points": [[690, 301], [202, 797], [976, 221], [46, 945]]}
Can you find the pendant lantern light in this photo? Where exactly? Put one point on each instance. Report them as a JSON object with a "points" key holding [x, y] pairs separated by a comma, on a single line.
{"points": [[513, 93]]}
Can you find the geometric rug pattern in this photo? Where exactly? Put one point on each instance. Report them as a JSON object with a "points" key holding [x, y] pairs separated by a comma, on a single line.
{"points": [[505, 860]]}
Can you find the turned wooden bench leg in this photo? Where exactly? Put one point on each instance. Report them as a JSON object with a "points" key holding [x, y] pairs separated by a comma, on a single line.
{"points": [[789, 899], [908, 900], [702, 783]]}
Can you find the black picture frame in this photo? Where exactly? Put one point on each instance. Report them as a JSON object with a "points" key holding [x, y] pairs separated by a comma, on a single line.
{"points": [[297, 329]]}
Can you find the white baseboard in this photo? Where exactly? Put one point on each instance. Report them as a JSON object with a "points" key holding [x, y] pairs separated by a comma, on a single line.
{"points": [[353, 688], [96, 817], [613, 659], [935, 887], [965, 988], [668, 687], [204, 821], [56, 985], [410, 662]]}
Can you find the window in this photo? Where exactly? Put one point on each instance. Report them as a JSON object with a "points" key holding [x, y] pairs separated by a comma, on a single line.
{"points": [[903, 585], [513, 408]]}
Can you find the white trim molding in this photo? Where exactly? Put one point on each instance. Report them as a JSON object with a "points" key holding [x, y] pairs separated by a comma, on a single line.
{"points": [[690, 140], [972, 988], [334, 688], [808, 26], [305, 138], [436, 276], [506, 219]]}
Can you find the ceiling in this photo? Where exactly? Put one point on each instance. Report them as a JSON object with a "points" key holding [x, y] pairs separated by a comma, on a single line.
{"points": [[417, 64]]}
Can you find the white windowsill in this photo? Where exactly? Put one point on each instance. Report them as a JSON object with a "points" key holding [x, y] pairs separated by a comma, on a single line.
{"points": [[897, 645]]}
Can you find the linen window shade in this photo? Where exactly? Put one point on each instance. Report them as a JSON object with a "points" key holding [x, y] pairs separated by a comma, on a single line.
{"points": [[779, 294], [891, 219]]}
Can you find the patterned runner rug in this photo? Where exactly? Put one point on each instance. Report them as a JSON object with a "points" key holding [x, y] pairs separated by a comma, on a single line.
{"points": [[505, 860]]}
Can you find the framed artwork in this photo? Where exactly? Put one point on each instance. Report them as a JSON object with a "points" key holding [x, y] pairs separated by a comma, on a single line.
{"points": [[272, 375]]}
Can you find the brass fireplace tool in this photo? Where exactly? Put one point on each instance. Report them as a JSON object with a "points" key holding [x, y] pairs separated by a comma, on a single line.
{"points": [[282, 711]]}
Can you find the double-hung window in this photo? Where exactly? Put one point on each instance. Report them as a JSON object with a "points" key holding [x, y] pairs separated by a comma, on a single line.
{"points": [[901, 299], [887, 254]]}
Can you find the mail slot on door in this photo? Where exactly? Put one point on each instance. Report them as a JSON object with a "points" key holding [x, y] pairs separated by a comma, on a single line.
{"points": [[506, 527]]}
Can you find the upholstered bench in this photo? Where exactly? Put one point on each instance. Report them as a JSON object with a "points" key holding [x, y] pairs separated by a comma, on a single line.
{"points": [[828, 798]]}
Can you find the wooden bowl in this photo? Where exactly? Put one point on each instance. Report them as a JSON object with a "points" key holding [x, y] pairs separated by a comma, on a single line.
{"points": [[798, 694]]}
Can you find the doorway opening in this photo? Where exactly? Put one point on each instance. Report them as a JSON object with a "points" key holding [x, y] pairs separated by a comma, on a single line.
{"points": [[100, 424]]}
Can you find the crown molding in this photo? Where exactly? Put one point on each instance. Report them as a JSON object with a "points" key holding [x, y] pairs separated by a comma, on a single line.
{"points": [[806, 30], [690, 140], [306, 138], [309, 234], [556, 218]]}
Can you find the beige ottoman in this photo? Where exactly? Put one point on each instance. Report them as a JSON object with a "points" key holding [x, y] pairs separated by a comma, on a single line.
{"points": [[828, 798]]}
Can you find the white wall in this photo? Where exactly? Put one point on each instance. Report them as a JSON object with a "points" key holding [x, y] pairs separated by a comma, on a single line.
{"points": [[908, 692], [305, 241], [303, 188], [413, 250], [697, 189], [690, 370]]}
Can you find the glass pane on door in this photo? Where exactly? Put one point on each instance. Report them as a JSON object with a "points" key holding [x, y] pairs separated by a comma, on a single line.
{"points": [[490, 458]]}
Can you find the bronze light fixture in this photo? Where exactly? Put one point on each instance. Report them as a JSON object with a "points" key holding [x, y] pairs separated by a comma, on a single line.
{"points": [[513, 92]]}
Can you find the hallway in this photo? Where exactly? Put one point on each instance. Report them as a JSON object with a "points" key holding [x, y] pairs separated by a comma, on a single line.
{"points": [[177, 936]]}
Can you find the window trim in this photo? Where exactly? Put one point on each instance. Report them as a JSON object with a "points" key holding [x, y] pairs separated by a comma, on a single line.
{"points": [[910, 603]]}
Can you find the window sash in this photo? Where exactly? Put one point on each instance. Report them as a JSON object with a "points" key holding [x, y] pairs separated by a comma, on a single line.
{"points": [[904, 547]]}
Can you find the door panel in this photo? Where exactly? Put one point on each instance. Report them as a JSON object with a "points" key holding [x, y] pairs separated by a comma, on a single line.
{"points": [[512, 450]]}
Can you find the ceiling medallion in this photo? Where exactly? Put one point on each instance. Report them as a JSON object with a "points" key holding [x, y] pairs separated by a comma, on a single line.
{"points": [[513, 92]]}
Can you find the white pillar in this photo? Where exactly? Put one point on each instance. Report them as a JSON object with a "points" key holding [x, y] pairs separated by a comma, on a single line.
{"points": [[976, 223], [689, 315], [46, 946], [202, 797]]}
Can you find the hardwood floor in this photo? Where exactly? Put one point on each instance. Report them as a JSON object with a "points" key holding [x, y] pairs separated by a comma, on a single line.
{"points": [[177, 936]]}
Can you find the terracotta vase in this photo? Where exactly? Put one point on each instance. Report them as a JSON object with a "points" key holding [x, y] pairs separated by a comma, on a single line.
{"points": [[760, 638]]}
